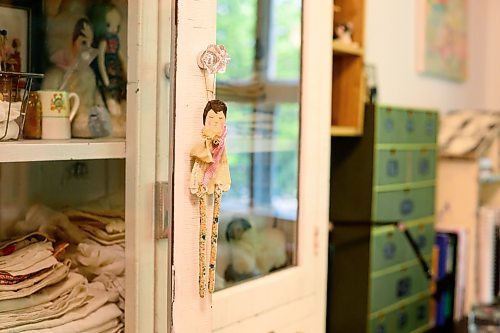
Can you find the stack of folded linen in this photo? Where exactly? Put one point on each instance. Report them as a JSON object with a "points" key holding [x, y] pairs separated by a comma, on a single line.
{"points": [[39, 294], [101, 257], [104, 227], [105, 264]]}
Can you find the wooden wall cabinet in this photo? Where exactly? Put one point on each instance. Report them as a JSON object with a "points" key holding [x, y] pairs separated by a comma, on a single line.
{"points": [[347, 78]]}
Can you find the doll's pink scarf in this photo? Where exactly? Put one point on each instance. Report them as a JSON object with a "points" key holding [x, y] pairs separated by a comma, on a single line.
{"points": [[216, 155]]}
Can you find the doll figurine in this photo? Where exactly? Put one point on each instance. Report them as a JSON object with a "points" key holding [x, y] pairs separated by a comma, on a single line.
{"points": [[210, 175], [211, 170], [106, 21]]}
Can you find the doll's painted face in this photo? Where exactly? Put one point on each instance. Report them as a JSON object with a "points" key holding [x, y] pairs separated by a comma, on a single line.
{"points": [[215, 121], [83, 38], [113, 20]]}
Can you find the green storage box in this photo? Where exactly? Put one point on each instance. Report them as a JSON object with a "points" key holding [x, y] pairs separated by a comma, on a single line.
{"points": [[390, 246], [394, 286], [407, 318], [408, 204]]}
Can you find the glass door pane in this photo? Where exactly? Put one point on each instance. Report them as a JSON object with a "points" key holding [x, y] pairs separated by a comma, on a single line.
{"points": [[258, 226]]}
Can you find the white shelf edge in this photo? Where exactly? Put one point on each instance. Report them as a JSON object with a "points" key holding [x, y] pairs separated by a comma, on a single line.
{"points": [[60, 150]]}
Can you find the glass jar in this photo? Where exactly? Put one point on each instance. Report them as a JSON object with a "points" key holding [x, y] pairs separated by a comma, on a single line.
{"points": [[33, 119]]}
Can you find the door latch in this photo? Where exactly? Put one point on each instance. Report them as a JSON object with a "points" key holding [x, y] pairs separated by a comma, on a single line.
{"points": [[162, 201]]}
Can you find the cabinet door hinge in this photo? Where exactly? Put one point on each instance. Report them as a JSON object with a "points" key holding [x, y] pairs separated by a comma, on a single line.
{"points": [[162, 200]]}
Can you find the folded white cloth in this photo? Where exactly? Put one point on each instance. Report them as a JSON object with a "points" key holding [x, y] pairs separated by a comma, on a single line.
{"points": [[45, 295], [15, 110], [69, 300], [30, 259], [114, 284], [98, 259], [11, 131], [117, 226]]}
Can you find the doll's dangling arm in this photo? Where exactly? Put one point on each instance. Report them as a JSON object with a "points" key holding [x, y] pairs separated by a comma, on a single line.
{"points": [[223, 174], [101, 62]]}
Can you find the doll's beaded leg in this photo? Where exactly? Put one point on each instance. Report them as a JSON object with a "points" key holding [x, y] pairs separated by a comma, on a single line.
{"points": [[213, 239], [202, 245]]}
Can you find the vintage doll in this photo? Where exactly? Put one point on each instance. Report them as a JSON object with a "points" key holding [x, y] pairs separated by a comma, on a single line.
{"points": [[72, 72], [106, 21], [210, 175]]}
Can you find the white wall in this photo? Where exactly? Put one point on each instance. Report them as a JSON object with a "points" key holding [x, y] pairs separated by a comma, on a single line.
{"points": [[491, 35], [391, 45]]}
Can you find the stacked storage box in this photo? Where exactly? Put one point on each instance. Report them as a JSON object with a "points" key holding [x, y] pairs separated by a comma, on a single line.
{"points": [[377, 283]]}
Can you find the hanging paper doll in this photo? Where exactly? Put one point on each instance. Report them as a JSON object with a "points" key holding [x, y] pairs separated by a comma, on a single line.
{"points": [[210, 175]]}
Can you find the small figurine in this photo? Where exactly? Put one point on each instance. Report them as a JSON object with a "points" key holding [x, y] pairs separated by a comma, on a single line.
{"points": [[5, 51], [210, 175], [15, 57], [106, 21], [343, 33]]}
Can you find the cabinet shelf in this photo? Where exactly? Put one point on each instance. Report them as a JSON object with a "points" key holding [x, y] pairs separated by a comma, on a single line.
{"points": [[51, 150], [345, 49], [345, 131]]}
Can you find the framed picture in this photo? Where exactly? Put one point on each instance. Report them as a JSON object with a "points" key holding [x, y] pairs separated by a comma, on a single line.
{"points": [[21, 35], [442, 40]]}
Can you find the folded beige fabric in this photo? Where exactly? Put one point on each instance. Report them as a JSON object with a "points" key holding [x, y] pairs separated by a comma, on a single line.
{"points": [[48, 221], [115, 227], [30, 259], [96, 312], [102, 234], [69, 300], [57, 275], [45, 295], [119, 329], [110, 325], [17, 243], [31, 280], [80, 215]]}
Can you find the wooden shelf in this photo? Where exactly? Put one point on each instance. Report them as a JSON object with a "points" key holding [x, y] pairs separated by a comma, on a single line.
{"points": [[348, 80], [345, 131], [51, 150], [346, 49]]}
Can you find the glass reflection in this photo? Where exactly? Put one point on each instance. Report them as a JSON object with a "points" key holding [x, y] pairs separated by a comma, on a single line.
{"points": [[258, 226]]}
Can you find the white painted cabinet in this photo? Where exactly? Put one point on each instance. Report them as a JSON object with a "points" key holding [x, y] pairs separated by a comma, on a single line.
{"points": [[291, 299], [163, 121]]}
